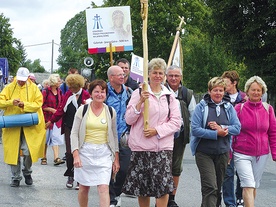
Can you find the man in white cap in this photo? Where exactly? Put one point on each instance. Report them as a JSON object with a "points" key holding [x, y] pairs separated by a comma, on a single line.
{"points": [[19, 97]]}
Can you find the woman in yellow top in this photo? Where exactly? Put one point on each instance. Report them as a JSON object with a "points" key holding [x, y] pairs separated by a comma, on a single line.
{"points": [[94, 145], [19, 97]]}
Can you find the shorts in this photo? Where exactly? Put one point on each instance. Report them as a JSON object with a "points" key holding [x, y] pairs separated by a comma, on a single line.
{"points": [[250, 169]]}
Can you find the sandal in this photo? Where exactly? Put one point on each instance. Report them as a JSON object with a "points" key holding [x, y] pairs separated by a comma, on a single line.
{"points": [[58, 161], [43, 161]]}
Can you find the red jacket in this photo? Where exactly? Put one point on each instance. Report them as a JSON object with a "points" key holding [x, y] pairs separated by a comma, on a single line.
{"points": [[49, 100], [60, 112], [258, 130]]}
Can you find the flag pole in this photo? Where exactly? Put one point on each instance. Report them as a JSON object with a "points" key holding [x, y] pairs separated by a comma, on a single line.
{"points": [[110, 54], [144, 15], [175, 40]]}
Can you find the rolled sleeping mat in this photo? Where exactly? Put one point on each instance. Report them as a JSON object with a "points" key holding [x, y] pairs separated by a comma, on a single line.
{"points": [[18, 120]]}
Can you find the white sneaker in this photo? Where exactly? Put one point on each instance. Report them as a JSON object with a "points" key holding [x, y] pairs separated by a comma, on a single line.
{"points": [[112, 205], [119, 201], [240, 203]]}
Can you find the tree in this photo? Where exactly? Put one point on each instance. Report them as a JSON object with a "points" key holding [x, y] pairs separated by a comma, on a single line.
{"points": [[10, 47], [204, 53], [34, 67], [73, 44], [162, 23], [248, 30]]}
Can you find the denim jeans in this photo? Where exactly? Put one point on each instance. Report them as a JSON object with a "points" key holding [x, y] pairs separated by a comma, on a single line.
{"points": [[229, 194], [238, 188], [228, 185]]}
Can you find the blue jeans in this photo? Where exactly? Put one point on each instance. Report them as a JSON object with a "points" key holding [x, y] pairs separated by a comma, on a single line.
{"points": [[228, 185], [115, 187], [238, 188], [229, 194]]}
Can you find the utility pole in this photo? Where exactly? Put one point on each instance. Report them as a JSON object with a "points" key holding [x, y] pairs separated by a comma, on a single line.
{"points": [[52, 58]]}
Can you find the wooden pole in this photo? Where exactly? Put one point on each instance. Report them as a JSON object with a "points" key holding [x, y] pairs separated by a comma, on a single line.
{"points": [[111, 54], [144, 15], [175, 41]]}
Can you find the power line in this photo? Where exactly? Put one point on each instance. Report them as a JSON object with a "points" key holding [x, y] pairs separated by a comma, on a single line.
{"points": [[46, 43], [38, 44]]}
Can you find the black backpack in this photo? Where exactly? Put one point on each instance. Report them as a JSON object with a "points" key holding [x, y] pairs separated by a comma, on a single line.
{"points": [[185, 95], [168, 100], [85, 107]]}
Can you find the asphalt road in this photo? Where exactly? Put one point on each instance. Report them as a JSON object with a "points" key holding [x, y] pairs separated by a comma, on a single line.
{"points": [[49, 188]]}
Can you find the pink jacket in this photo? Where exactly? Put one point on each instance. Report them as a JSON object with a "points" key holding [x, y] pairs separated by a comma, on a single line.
{"points": [[258, 130], [158, 119]]}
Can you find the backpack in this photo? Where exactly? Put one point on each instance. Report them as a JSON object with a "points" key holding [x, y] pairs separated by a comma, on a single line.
{"points": [[129, 91], [47, 94], [176, 134], [265, 105], [184, 97], [168, 100], [85, 107]]}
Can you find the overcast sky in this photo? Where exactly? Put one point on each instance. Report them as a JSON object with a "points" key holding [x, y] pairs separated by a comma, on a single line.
{"points": [[40, 21]]}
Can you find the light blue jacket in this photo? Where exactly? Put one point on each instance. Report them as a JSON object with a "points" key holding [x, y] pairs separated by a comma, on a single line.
{"points": [[199, 120], [119, 103]]}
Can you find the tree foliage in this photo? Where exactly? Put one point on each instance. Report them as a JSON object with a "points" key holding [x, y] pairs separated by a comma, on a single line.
{"points": [[35, 66], [248, 30], [73, 44], [163, 19], [205, 51], [10, 47]]}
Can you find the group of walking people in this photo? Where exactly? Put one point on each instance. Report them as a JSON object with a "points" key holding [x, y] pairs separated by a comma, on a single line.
{"points": [[223, 137], [227, 137]]}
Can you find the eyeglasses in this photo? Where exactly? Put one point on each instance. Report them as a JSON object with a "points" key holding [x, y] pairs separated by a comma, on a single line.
{"points": [[176, 76], [119, 75]]}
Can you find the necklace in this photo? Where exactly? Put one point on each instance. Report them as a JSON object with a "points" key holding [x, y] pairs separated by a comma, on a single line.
{"points": [[97, 111], [157, 94]]}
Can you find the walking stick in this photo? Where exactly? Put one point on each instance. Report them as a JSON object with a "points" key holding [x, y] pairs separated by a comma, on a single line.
{"points": [[175, 40], [144, 15]]}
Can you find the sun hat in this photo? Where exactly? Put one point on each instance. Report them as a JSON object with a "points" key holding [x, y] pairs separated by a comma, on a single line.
{"points": [[22, 74], [32, 76]]}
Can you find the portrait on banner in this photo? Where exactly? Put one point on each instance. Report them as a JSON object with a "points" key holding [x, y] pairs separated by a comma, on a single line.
{"points": [[109, 25]]}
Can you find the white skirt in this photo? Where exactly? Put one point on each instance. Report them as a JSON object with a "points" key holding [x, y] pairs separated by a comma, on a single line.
{"points": [[96, 165], [54, 136]]}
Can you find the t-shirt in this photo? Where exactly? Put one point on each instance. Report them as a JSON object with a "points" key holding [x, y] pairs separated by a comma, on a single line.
{"points": [[96, 128], [233, 97]]}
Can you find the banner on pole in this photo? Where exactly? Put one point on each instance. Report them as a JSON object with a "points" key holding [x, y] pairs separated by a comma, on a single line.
{"points": [[109, 24], [136, 68], [178, 55], [4, 70]]}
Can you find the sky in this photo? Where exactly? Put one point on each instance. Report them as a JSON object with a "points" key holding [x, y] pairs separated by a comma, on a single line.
{"points": [[35, 22]]}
